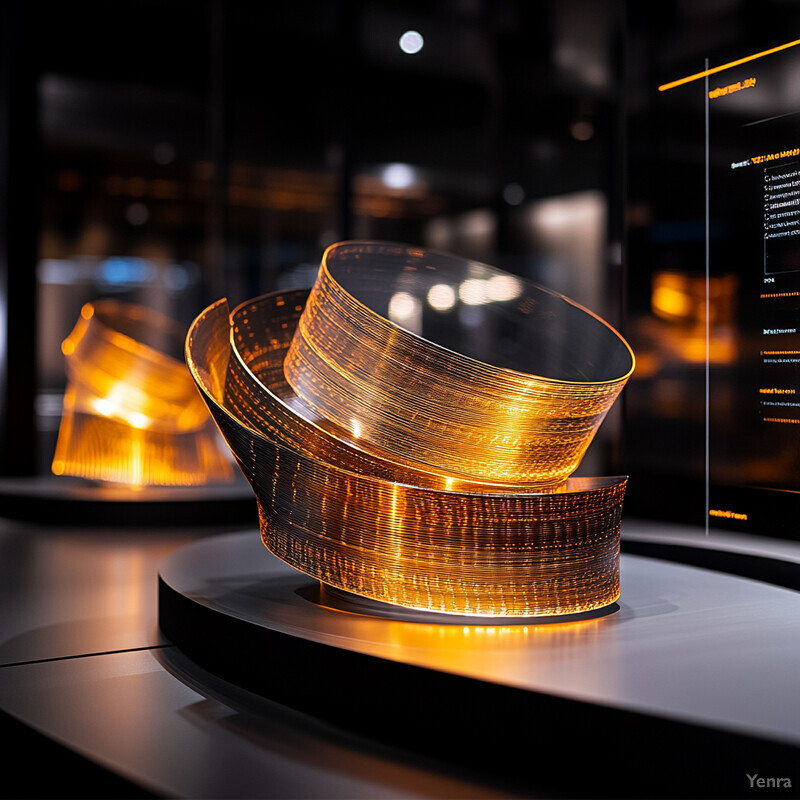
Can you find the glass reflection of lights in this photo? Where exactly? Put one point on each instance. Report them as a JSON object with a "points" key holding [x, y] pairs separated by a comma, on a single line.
{"points": [[398, 176], [472, 292], [121, 271], [442, 297], [403, 307], [411, 42], [502, 288]]}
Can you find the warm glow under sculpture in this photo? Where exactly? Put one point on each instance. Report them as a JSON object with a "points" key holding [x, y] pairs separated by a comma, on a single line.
{"points": [[132, 414], [364, 506]]}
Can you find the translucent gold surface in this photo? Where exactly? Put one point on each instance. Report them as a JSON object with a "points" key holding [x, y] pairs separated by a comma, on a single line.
{"points": [[341, 514], [132, 413], [453, 366], [257, 392]]}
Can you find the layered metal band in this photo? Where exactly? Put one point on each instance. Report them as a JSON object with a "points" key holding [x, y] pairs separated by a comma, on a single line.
{"points": [[378, 528], [453, 366], [258, 393]]}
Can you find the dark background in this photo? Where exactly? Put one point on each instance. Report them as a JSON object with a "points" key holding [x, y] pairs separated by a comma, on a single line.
{"points": [[169, 153]]}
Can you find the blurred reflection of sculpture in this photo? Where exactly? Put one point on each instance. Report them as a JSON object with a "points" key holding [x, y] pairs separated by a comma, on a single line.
{"points": [[132, 414]]}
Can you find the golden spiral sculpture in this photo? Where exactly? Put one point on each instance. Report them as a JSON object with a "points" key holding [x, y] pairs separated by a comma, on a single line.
{"points": [[358, 516]]}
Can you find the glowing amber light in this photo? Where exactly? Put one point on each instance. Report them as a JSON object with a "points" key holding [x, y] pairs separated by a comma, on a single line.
{"points": [[523, 412], [685, 301], [132, 413], [332, 511], [713, 70]]}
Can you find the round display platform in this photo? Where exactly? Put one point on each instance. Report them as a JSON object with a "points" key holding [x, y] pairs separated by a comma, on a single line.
{"points": [[53, 499], [690, 663]]}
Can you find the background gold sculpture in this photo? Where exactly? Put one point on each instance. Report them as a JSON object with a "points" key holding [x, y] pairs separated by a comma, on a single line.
{"points": [[132, 414]]}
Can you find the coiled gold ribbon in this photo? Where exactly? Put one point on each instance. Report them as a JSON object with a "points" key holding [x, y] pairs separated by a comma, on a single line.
{"points": [[338, 510], [131, 413], [508, 382]]}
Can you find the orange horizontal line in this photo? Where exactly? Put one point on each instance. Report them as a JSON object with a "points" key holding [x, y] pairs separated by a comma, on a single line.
{"points": [[698, 75]]}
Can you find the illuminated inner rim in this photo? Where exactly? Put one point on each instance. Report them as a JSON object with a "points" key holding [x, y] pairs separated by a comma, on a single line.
{"points": [[454, 366]]}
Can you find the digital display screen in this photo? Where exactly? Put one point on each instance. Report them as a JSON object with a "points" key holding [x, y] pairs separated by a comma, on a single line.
{"points": [[752, 303]]}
